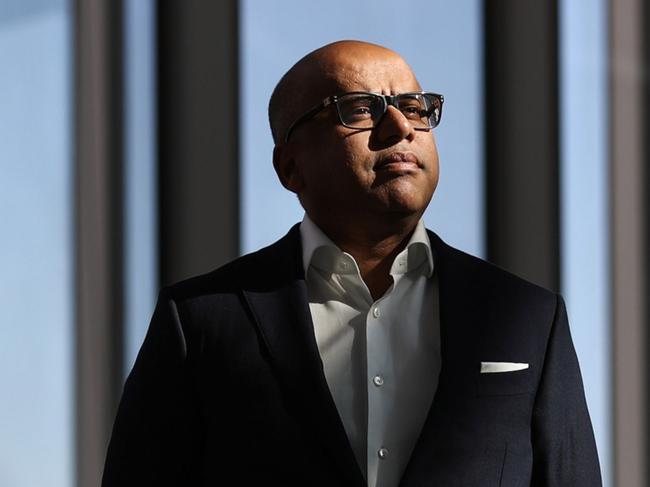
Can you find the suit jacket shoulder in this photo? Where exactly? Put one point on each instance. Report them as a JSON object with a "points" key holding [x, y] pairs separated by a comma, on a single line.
{"points": [[266, 268], [482, 271], [280, 264]]}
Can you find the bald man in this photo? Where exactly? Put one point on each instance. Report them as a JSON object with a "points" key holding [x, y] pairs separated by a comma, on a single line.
{"points": [[359, 349]]}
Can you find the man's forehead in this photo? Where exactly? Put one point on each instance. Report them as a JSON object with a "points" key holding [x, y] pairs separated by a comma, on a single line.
{"points": [[375, 71], [374, 76]]}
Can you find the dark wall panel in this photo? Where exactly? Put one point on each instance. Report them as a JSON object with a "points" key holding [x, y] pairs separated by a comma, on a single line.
{"points": [[521, 120], [629, 247], [98, 230], [198, 108]]}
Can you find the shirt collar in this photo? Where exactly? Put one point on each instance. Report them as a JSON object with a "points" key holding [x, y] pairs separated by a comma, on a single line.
{"points": [[320, 252]]}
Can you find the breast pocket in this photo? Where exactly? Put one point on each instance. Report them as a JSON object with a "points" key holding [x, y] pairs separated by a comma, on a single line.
{"points": [[505, 383]]}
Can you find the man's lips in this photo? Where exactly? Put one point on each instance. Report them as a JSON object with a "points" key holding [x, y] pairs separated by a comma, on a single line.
{"points": [[398, 162]]}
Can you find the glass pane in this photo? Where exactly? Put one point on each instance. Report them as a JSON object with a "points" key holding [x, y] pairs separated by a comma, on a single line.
{"points": [[585, 205], [36, 255], [141, 232]]}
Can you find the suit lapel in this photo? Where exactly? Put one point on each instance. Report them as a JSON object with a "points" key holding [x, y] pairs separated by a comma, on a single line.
{"points": [[280, 309], [461, 309]]}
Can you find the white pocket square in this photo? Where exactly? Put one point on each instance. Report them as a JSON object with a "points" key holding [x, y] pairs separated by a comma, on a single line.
{"points": [[495, 367]]}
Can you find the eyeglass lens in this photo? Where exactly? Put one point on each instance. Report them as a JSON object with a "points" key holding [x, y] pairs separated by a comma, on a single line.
{"points": [[365, 110]]}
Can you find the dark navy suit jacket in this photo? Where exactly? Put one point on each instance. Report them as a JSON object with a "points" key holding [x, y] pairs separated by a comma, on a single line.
{"points": [[229, 389]]}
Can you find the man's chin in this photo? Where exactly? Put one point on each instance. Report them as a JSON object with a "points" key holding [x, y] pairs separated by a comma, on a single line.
{"points": [[403, 195], [399, 206]]}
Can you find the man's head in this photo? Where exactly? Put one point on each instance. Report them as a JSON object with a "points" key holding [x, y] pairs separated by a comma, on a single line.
{"points": [[388, 172]]}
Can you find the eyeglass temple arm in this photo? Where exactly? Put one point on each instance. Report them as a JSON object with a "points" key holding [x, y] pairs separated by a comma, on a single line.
{"points": [[313, 111]]}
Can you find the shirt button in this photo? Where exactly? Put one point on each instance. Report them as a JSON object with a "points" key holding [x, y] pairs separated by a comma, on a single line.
{"points": [[378, 380], [375, 312], [383, 453]]}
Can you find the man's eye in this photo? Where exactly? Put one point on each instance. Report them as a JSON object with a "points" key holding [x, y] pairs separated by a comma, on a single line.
{"points": [[411, 111], [360, 110]]}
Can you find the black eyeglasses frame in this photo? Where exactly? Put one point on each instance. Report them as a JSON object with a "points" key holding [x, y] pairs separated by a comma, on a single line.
{"points": [[388, 100]]}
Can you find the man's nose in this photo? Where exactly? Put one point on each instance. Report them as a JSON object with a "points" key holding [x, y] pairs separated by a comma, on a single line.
{"points": [[394, 127]]}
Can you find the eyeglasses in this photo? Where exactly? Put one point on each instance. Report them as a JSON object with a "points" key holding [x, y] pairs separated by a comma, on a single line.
{"points": [[362, 110]]}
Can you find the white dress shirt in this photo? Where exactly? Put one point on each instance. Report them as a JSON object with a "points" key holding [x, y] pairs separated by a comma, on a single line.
{"points": [[381, 358]]}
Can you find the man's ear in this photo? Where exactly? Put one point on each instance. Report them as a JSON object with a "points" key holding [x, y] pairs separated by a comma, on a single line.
{"points": [[286, 168]]}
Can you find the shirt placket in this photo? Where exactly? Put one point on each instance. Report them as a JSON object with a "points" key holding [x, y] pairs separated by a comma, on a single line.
{"points": [[380, 381]]}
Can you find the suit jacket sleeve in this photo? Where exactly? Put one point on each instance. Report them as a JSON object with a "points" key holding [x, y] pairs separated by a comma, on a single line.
{"points": [[153, 437], [564, 449]]}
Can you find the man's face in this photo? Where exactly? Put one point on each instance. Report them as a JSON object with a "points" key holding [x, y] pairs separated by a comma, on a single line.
{"points": [[389, 171]]}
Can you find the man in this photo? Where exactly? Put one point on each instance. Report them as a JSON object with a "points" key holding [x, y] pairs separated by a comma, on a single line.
{"points": [[360, 349]]}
